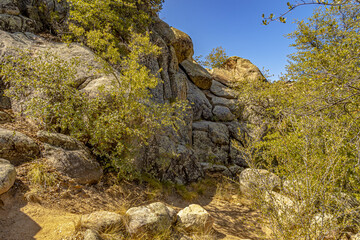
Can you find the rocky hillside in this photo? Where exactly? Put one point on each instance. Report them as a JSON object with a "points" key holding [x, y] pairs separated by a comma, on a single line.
{"points": [[215, 120]]}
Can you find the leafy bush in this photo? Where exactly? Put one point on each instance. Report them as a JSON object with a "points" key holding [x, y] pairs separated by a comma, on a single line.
{"points": [[312, 138], [116, 123], [215, 59], [103, 25]]}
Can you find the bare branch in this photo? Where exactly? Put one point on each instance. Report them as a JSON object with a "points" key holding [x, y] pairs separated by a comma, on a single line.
{"points": [[281, 18]]}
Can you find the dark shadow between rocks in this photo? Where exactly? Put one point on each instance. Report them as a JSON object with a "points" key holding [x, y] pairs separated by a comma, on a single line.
{"points": [[14, 224]]}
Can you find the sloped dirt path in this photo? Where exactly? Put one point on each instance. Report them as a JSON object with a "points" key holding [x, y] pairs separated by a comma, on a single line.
{"points": [[236, 221], [22, 220], [24, 216], [34, 221]]}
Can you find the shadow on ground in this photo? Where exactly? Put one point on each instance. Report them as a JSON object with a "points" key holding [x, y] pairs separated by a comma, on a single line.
{"points": [[14, 224]]}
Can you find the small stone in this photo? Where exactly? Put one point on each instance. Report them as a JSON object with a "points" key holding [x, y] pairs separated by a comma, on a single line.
{"points": [[7, 175], [194, 218], [323, 221], [90, 234], [155, 217], [229, 103], [281, 203], [101, 220], [17, 147]]}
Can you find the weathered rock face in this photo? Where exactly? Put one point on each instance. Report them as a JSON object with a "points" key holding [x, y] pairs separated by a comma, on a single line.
{"points": [[32, 16], [237, 69], [7, 175], [202, 109], [155, 217], [183, 45], [86, 80], [197, 74], [17, 147], [221, 90], [212, 122], [70, 157]]}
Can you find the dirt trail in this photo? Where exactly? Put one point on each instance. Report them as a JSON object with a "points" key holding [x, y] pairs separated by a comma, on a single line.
{"points": [[28, 221], [23, 220], [36, 222], [236, 220], [53, 213]]}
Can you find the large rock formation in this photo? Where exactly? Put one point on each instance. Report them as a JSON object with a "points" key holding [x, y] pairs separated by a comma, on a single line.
{"points": [[212, 122], [32, 16], [237, 69]]}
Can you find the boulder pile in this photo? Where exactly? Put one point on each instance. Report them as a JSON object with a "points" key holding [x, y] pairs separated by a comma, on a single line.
{"points": [[214, 121], [154, 219]]}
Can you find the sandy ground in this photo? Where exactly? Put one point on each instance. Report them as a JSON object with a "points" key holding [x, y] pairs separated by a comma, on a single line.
{"points": [[52, 213], [25, 216]]}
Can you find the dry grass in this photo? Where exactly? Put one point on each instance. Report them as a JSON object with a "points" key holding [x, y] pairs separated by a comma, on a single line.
{"points": [[41, 175]]}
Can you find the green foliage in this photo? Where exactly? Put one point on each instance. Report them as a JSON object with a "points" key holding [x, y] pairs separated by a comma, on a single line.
{"points": [[215, 59], [44, 86], [116, 123], [312, 119], [103, 25]]}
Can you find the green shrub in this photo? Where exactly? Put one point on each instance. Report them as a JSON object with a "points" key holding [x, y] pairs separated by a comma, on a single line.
{"points": [[215, 59], [116, 123], [103, 25], [312, 137]]}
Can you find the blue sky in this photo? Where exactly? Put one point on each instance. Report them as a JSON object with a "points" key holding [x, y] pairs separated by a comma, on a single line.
{"points": [[236, 26]]}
